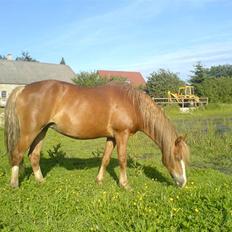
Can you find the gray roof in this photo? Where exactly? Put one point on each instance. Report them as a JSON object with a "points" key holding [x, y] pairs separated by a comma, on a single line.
{"points": [[24, 72]]}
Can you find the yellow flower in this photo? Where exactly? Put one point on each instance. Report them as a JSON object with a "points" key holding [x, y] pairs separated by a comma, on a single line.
{"points": [[197, 210]]}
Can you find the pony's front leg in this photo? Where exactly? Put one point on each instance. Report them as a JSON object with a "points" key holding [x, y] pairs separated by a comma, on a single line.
{"points": [[109, 147], [121, 141]]}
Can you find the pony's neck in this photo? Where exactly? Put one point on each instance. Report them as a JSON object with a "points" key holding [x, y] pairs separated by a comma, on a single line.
{"points": [[152, 121], [157, 126]]}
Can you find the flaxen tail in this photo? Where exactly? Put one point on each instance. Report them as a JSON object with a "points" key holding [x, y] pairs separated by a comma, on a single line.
{"points": [[12, 130]]}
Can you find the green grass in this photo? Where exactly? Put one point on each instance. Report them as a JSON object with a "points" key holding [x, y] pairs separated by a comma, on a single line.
{"points": [[70, 200]]}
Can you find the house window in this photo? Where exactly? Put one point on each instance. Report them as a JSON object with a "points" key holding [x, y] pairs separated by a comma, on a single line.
{"points": [[3, 94]]}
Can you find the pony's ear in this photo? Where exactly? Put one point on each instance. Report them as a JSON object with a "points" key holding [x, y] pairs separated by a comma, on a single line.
{"points": [[180, 138], [178, 148], [181, 151]]}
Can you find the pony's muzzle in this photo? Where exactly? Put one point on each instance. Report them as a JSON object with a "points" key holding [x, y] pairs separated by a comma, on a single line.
{"points": [[180, 180]]}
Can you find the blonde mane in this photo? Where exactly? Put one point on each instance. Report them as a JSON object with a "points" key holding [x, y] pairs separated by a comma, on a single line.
{"points": [[155, 123]]}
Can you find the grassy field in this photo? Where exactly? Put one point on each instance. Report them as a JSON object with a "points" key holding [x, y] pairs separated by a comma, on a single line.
{"points": [[210, 111], [70, 200]]}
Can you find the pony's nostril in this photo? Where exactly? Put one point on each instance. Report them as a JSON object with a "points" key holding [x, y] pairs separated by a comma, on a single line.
{"points": [[181, 182]]}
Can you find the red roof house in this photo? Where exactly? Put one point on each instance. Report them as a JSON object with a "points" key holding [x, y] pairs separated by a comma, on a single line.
{"points": [[134, 78]]}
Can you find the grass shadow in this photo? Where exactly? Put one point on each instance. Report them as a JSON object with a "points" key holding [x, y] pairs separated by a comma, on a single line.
{"points": [[150, 172], [47, 164]]}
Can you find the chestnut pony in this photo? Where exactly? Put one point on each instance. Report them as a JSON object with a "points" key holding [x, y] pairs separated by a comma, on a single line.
{"points": [[111, 111]]}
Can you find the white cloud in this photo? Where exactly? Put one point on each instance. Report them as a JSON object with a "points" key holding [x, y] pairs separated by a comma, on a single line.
{"points": [[105, 26]]}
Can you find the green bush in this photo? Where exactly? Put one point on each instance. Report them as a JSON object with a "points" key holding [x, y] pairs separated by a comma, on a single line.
{"points": [[214, 82], [162, 81], [218, 90]]}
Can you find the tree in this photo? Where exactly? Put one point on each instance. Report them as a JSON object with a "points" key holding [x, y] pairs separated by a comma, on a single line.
{"points": [[89, 79], [199, 74], [25, 57], [206, 81], [62, 61], [162, 81], [220, 71], [2, 57]]}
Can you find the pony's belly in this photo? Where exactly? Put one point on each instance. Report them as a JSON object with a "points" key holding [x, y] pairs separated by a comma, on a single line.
{"points": [[83, 133]]}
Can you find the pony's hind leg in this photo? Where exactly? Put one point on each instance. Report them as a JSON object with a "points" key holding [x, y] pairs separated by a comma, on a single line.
{"points": [[34, 155], [16, 159], [109, 147]]}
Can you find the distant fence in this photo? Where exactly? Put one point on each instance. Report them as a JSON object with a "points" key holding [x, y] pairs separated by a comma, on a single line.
{"points": [[184, 103]]}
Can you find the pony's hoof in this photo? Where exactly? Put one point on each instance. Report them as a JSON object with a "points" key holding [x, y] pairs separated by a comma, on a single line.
{"points": [[40, 181], [99, 182], [126, 187], [14, 184]]}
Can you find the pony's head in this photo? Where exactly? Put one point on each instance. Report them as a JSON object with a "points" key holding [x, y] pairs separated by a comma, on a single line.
{"points": [[177, 161]]}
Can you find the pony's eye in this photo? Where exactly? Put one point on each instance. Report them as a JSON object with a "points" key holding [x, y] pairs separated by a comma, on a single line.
{"points": [[178, 157]]}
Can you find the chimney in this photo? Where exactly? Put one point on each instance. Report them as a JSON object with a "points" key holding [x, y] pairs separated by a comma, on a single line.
{"points": [[9, 57]]}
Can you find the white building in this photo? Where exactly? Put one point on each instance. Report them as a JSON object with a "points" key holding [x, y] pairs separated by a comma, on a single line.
{"points": [[20, 73]]}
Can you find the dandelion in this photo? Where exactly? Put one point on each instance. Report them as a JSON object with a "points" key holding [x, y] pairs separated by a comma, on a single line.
{"points": [[196, 210], [171, 199]]}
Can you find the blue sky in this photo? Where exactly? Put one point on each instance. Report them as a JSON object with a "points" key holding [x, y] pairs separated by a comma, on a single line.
{"points": [[138, 35]]}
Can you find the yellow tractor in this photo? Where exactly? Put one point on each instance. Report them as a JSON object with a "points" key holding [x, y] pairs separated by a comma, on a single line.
{"points": [[185, 97]]}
